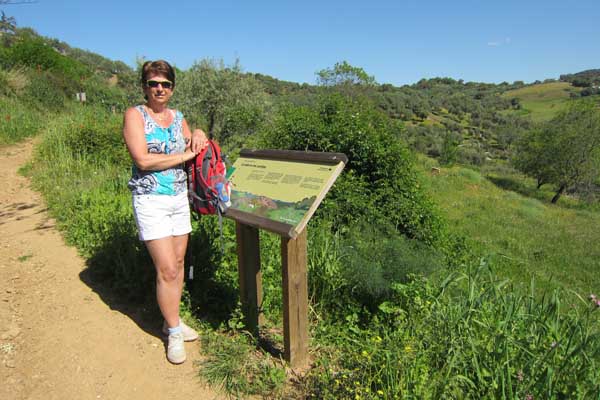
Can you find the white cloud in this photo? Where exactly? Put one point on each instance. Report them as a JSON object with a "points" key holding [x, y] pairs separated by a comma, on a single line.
{"points": [[498, 43]]}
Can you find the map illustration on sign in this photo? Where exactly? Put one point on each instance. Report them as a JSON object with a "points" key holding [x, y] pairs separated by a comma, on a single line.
{"points": [[284, 191]]}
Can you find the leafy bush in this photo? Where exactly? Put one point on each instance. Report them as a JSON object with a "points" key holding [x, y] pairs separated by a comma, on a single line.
{"points": [[44, 92], [380, 182], [13, 81], [99, 92], [229, 105], [96, 136], [374, 261], [471, 156], [35, 53]]}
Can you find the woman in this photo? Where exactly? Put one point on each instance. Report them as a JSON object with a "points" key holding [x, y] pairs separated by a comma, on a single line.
{"points": [[159, 142]]}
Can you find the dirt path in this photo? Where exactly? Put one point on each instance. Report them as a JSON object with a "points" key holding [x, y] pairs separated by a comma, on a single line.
{"points": [[59, 338]]}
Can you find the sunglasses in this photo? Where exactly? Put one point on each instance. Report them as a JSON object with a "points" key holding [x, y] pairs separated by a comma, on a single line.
{"points": [[164, 84]]}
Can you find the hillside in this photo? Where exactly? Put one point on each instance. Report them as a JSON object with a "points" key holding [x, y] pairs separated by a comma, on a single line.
{"points": [[587, 78], [527, 238], [542, 101]]}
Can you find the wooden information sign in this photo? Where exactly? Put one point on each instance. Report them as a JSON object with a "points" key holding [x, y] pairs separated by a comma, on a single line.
{"points": [[279, 191]]}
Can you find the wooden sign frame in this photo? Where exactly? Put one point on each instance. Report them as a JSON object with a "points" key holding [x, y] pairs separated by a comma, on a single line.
{"points": [[293, 258]]}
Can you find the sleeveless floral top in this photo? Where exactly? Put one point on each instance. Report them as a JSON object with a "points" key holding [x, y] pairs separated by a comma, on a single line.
{"points": [[160, 140]]}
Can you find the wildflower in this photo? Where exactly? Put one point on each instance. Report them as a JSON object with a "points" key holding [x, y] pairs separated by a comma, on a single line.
{"points": [[380, 392], [377, 339], [592, 297], [364, 353], [407, 348], [597, 303], [553, 344], [529, 397], [520, 376]]}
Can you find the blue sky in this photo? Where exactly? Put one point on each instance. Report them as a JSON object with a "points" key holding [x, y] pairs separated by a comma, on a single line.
{"points": [[398, 42]]}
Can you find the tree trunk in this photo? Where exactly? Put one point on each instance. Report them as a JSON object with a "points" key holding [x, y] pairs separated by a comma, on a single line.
{"points": [[211, 125], [540, 182], [557, 195]]}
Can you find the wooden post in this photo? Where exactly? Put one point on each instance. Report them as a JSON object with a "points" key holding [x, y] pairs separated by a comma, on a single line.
{"points": [[250, 278], [255, 173], [295, 300]]}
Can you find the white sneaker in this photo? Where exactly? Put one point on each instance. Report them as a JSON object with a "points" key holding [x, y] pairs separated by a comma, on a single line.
{"points": [[175, 349], [189, 334]]}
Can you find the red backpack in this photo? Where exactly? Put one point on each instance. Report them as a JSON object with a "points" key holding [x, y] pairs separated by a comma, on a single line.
{"points": [[208, 187]]}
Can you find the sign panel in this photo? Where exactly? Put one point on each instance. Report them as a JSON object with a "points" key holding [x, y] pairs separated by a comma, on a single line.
{"points": [[283, 191]]}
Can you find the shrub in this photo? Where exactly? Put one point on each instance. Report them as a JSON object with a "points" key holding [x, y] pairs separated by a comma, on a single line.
{"points": [[99, 92], [471, 155], [380, 182], [13, 82], [96, 136], [44, 92], [35, 53], [376, 260]]}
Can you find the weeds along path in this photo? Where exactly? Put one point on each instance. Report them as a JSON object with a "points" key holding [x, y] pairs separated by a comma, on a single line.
{"points": [[58, 338]]}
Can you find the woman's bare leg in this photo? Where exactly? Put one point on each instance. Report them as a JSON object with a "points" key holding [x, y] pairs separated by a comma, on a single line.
{"points": [[168, 255]]}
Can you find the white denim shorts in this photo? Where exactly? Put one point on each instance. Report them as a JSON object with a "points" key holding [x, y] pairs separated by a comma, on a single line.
{"points": [[158, 216]]}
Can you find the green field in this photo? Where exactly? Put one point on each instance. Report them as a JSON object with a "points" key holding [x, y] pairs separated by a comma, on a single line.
{"points": [[505, 217], [544, 100]]}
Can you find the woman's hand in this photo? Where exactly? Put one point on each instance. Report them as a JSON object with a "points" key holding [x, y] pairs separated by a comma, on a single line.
{"points": [[199, 141], [187, 155]]}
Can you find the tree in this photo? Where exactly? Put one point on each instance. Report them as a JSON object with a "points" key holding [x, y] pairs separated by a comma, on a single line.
{"points": [[564, 151], [226, 100], [8, 28], [509, 129], [344, 74]]}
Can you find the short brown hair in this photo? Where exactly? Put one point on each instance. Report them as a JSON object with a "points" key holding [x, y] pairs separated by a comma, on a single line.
{"points": [[157, 67]]}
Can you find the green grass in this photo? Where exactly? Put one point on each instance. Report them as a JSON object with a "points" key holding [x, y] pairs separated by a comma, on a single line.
{"points": [[25, 257], [557, 245], [18, 121], [233, 363], [544, 100]]}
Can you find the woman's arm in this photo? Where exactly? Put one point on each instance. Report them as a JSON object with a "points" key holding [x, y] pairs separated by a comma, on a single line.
{"points": [[133, 133], [198, 138]]}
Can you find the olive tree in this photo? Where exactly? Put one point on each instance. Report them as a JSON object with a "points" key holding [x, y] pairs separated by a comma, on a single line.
{"points": [[564, 151], [344, 74], [222, 98]]}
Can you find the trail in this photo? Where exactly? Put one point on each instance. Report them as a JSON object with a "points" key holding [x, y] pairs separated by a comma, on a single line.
{"points": [[60, 338]]}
